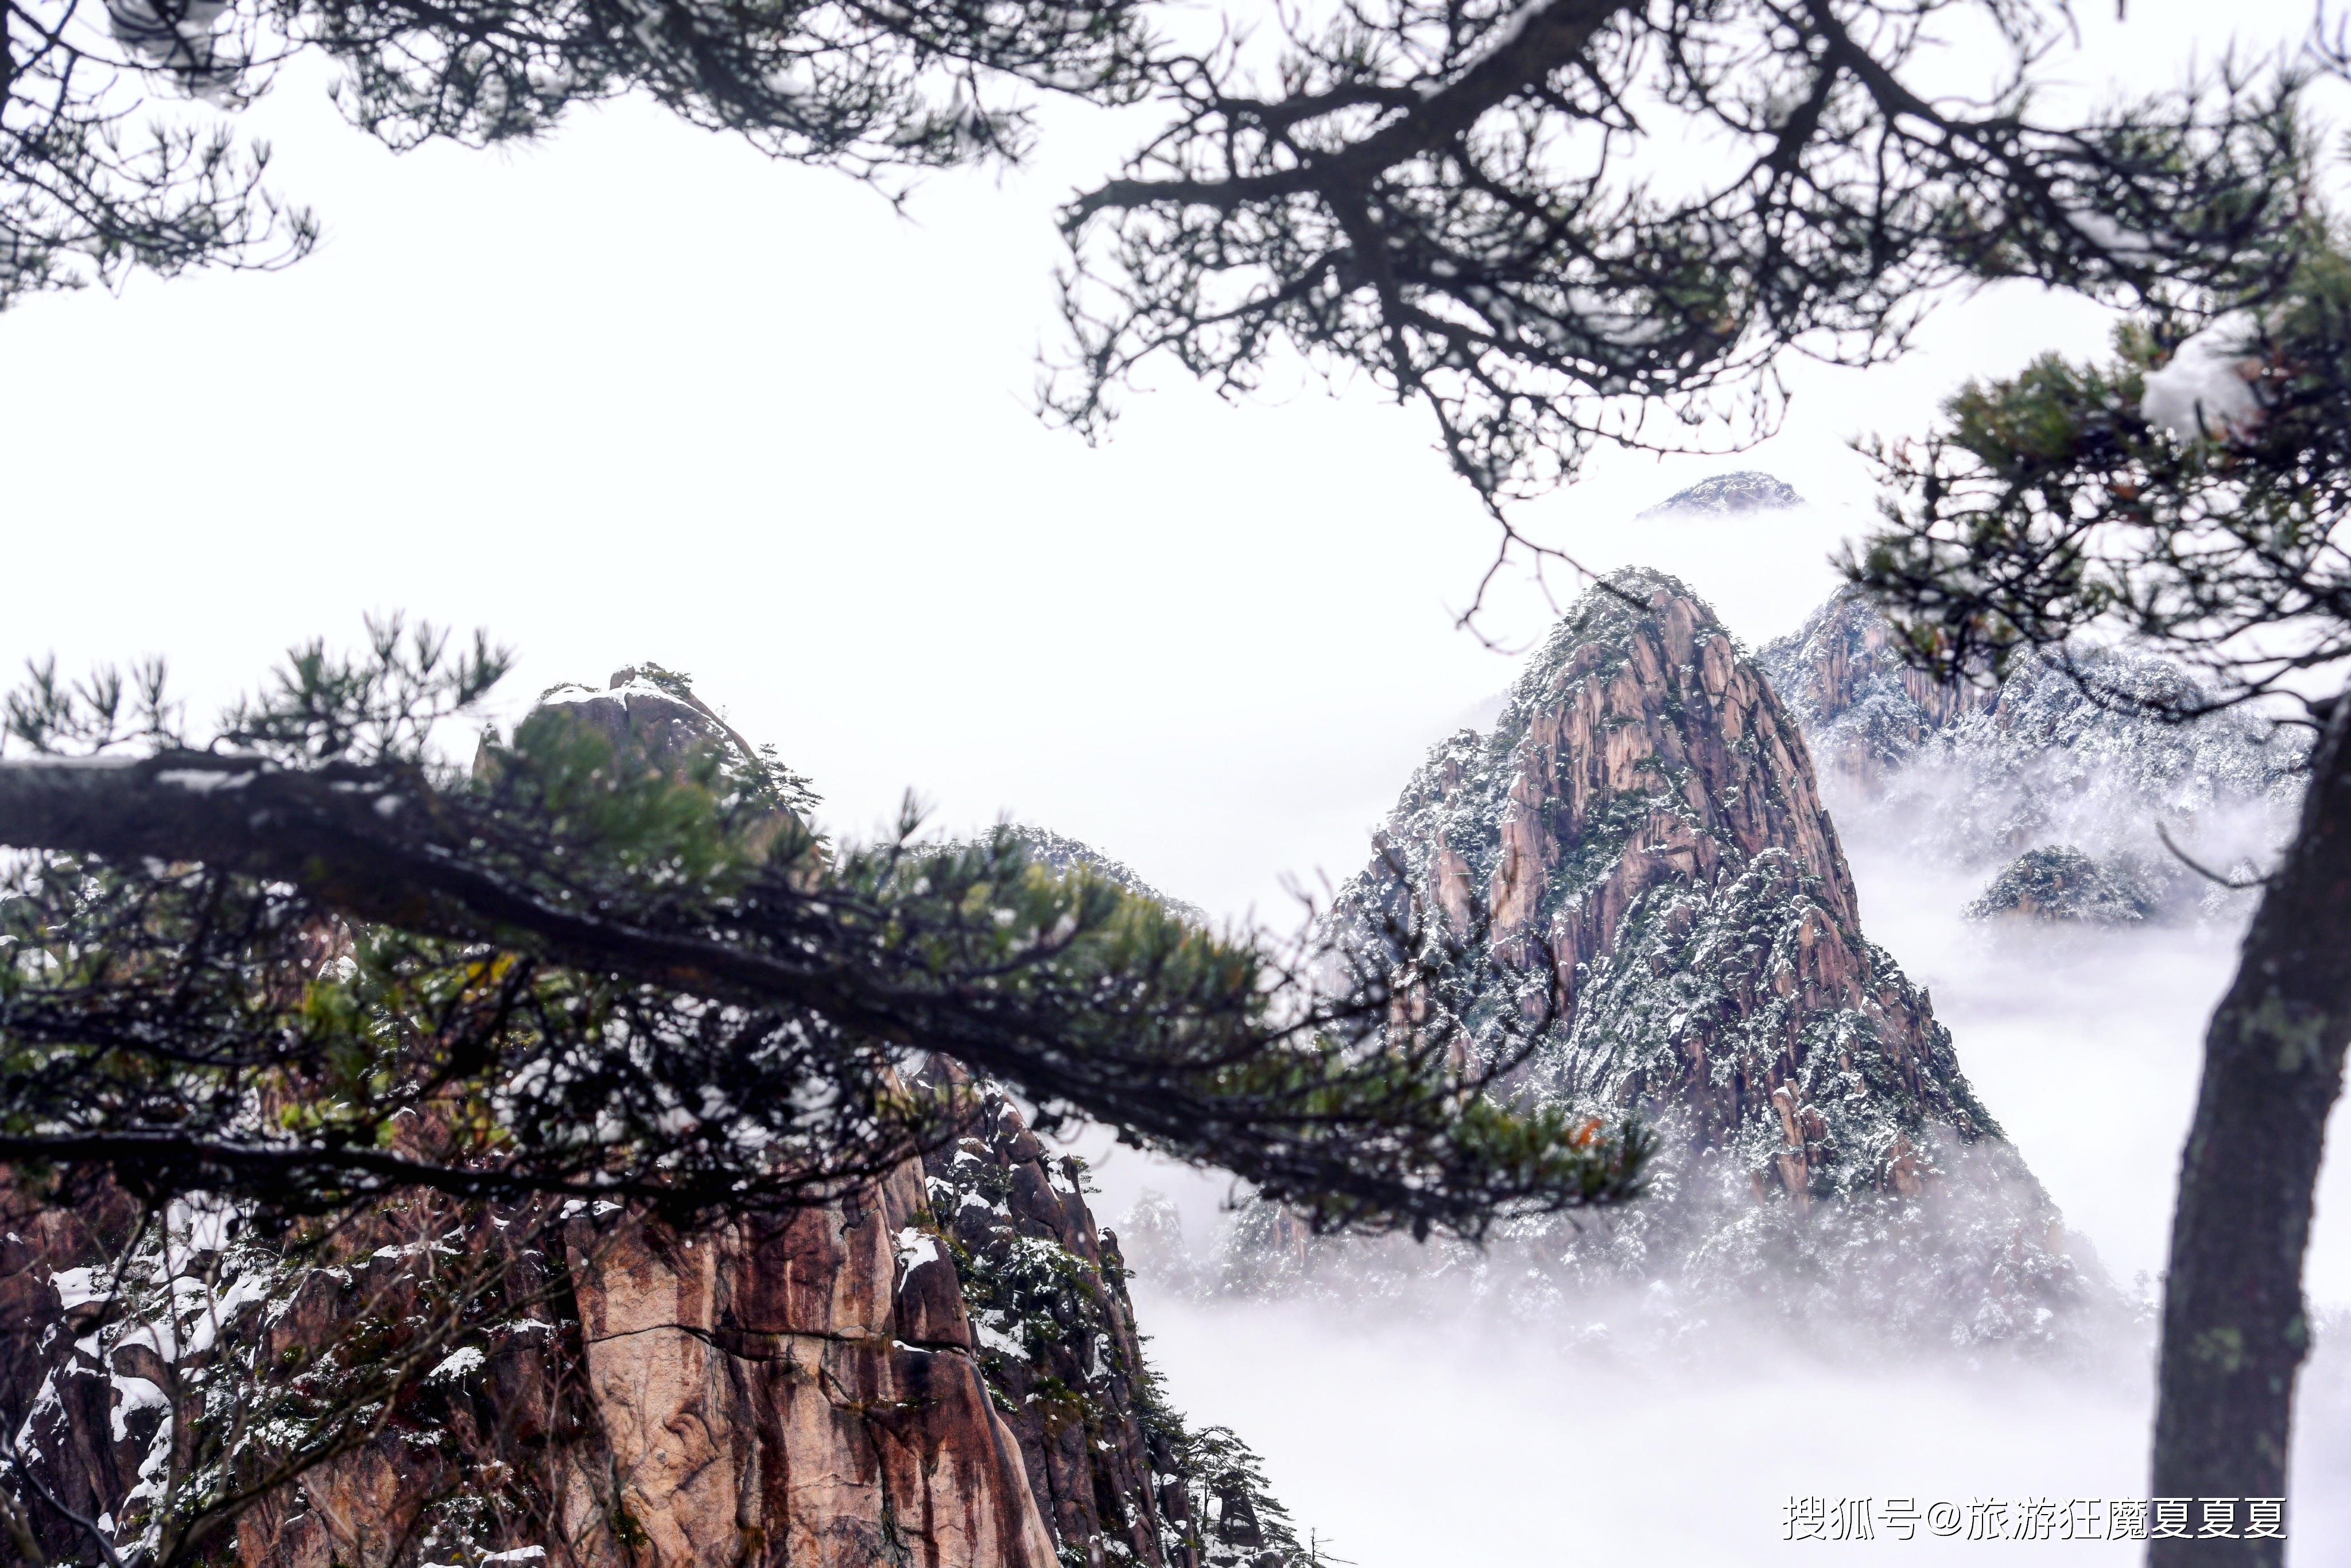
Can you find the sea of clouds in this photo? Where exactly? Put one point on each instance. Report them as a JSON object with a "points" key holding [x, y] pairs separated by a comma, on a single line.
{"points": [[1431, 1442]]}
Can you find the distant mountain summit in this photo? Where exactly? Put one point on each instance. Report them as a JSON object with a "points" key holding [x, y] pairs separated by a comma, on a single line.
{"points": [[1727, 495], [1976, 775], [1642, 837], [1636, 862], [1064, 855]]}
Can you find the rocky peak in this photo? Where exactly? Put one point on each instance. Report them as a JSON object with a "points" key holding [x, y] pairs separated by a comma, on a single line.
{"points": [[1064, 855], [1728, 494], [1643, 829], [1861, 705], [2059, 883], [652, 711], [1640, 842], [937, 1369], [1976, 772], [1639, 749]]}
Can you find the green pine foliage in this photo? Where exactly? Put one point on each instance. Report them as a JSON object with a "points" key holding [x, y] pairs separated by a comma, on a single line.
{"points": [[304, 962], [2056, 502]]}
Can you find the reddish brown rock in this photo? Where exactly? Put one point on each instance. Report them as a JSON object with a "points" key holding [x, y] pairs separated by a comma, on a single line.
{"points": [[765, 1397], [851, 1386], [1846, 665], [1058, 1342], [798, 1390], [589, 1389], [1644, 830], [1655, 917]]}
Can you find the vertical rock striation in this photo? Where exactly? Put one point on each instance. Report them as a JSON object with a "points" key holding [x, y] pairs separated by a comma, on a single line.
{"points": [[1640, 864], [1641, 836], [1863, 708], [794, 1392], [939, 1369], [1119, 1474]]}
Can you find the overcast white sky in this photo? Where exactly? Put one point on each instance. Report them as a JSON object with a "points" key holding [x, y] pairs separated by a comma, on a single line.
{"points": [[637, 394]]}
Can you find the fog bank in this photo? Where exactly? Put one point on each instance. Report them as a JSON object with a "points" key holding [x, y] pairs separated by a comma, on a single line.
{"points": [[1433, 1444], [1414, 1446]]}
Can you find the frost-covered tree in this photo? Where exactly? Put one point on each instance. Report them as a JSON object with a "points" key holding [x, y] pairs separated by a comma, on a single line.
{"points": [[323, 1040], [1549, 223], [86, 193], [2192, 494], [302, 963], [1572, 221]]}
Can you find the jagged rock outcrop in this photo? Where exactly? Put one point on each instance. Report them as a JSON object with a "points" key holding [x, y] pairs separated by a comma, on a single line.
{"points": [[796, 1393], [649, 711], [939, 1369], [1978, 773], [1863, 709], [1120, 1476], [1641, 834], [1056, 1332], [799, 1390], [1728, 494], [1639, 862], [2059, 883]]}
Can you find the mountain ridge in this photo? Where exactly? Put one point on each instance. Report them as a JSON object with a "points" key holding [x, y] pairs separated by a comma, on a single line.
{"points": [[1640, 865], [938, 1368], [1979, 775]]}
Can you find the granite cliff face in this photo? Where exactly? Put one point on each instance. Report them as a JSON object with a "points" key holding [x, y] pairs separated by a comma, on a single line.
{"points": [[938, 1370], [1641, 834], [1639, 862], [1116, 1470], [1979, 775], [806, 1390]]}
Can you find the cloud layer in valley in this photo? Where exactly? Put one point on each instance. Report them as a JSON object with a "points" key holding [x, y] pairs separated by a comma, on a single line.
{"points": [[1432, 1442]]}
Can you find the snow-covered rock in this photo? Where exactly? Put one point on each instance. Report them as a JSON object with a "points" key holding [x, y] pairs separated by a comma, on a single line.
{"points": [[1120, 1476], [936, 1367], [1638, 863], [1064, 855], [1728, 494], [1978, 774], [2059, 883], [2205, 390]]}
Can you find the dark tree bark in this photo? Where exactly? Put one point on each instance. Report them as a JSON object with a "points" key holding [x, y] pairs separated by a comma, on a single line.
{"points": [[1141, 1023], [2235, 1327], [370, 841]]}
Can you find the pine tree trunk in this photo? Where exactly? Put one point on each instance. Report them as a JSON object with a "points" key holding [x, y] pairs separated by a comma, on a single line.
{"points": [[2234, 1323]]}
